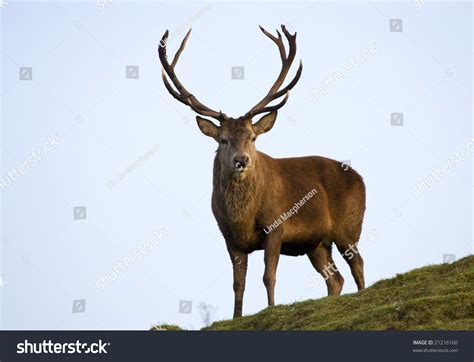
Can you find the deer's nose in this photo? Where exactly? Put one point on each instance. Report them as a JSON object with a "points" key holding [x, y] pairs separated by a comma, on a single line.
{"points": [[241, 161]]}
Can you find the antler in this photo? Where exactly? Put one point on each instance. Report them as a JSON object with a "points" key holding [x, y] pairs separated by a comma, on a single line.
{"points": [[274, 93], [181, 94]]}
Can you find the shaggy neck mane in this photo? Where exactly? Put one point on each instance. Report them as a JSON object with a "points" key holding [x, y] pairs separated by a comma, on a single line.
{"points": [[238, 196]]}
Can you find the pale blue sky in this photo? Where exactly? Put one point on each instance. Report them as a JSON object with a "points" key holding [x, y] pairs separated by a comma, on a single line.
{"points": [[79, 52]]}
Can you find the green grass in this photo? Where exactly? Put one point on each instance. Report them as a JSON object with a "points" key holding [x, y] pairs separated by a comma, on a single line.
{"points": [[432, 297]]}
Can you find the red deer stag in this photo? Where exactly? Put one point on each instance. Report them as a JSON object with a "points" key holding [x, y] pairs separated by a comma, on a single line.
{"points": [[290, 206]]}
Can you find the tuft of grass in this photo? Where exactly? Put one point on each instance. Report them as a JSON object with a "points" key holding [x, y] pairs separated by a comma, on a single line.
{"points": [[165, 327], [429, 298]]}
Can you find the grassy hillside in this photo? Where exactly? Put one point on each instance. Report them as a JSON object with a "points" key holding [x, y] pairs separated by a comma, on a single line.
{"points": [[432, 297]]}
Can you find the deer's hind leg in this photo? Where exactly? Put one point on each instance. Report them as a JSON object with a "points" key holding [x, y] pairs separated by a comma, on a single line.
{"points": [[347, 236], [351, 255], [321, 258]]}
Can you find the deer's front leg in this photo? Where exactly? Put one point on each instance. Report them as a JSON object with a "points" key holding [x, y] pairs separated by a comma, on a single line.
{"points": [[272, 249], [239, 263]]}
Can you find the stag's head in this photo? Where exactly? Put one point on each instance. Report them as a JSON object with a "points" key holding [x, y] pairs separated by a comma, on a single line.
{"points": [[236, 136]]}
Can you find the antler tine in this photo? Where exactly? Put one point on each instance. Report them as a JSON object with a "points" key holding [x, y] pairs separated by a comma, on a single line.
{"points": [[286, 62], [181, 93], [269, 108], [181, 48], [274, 93], [170, 89], [291, 84], [278, 41]]}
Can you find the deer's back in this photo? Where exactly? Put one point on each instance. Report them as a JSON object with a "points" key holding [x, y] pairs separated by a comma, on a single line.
{"points": [[336, 210]]}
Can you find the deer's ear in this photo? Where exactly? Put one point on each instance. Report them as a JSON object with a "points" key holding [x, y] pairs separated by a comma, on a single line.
{"points": [[208, 128], [265, 123]]}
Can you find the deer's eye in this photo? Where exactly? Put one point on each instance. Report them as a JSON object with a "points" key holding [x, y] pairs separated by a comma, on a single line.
{"points": [[253, 139], [224, 142]]}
